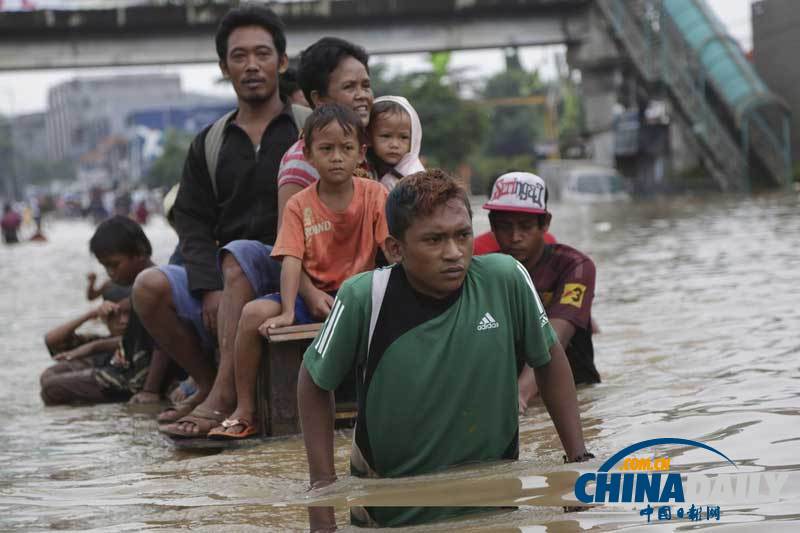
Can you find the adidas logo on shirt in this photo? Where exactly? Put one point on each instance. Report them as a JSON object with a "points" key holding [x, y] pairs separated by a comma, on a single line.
{"points": [[487, 322]]}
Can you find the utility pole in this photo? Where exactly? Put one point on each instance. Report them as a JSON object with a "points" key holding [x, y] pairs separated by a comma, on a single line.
{"points": [[9, 170]]}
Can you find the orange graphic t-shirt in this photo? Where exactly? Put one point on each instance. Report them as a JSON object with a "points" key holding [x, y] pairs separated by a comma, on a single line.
{"points": [[334, 245]]}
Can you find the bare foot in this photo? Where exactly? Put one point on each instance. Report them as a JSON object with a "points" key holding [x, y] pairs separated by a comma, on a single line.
{"points": [[143, 397]]}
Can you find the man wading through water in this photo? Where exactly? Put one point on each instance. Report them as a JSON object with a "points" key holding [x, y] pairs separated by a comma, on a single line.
{"points": [[437, 342]]}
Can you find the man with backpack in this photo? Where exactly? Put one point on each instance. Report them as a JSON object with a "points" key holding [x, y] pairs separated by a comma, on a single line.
{"points": [[228, 191]]}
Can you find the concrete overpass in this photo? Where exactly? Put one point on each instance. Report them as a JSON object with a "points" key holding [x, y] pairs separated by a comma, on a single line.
{"points": [[169, 34]]}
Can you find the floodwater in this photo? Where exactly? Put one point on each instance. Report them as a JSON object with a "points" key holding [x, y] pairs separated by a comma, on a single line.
{"points": [[697, 303]]}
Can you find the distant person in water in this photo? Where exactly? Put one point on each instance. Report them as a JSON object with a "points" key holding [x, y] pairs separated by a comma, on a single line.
{"points": [[10, 224], [564, 277], [141, 213]]}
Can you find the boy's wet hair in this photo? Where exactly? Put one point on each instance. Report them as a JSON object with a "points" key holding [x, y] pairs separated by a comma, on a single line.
{"points": [[119, 235], [418, 195], [325, 114], [250, 15], [320, 59]]}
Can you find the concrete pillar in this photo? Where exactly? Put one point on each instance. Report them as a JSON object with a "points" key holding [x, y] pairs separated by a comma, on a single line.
{"points": [[599, 90], [599, 61], [775, 41]]}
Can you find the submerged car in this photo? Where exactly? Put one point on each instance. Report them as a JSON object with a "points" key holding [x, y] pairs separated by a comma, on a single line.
{"points": [[583, 182]]}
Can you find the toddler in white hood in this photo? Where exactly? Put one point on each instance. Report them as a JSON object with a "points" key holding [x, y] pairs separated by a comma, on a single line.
{"points": [[395, 136]]}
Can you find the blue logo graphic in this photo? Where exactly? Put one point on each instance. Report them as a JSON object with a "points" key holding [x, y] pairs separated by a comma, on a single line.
{"points": [[653, 483]]}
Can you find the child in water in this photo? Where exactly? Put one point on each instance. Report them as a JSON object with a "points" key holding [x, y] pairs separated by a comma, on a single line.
{"points": [[395, 137]]}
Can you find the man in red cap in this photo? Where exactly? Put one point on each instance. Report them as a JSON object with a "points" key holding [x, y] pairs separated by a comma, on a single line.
{"points": [[564, 277]]}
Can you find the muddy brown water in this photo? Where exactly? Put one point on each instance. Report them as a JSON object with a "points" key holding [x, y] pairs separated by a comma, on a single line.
{"points": [[697, 302]]}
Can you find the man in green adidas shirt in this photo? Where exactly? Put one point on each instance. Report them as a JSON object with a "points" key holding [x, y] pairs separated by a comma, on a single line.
{"points": [[436, 342]]}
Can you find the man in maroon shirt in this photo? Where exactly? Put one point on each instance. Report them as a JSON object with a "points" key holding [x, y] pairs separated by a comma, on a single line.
{"points": [[564, 277]]}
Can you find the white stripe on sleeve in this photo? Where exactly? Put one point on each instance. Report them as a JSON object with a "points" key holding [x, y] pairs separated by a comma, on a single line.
{"points": [[527, 277], [332, 329], [327, 325]]}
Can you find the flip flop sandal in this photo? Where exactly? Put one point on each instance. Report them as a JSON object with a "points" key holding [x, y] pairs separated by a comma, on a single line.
{"points": [[222, 433], [205, 420], [176, 412]]}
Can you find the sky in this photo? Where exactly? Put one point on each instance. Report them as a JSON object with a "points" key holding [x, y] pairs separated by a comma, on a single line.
{"points": [[26, 92]]}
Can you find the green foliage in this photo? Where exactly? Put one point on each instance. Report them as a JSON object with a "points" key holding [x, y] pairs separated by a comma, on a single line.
{"points": [[571, 118], [515, 129], [486, 169], [166, 170], [440, 61], [492, 139], [17, 171], [43, 171], [452, 128]]}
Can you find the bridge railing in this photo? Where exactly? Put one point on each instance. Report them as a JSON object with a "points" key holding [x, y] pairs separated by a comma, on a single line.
{"points": [[661, 55]]}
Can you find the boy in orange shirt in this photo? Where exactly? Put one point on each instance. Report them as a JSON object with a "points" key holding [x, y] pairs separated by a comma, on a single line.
{"points": [[332, 230]]}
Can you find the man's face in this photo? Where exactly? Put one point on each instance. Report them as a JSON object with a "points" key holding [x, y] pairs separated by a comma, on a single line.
{"points": [[437, 250], [349, 85], [252, 64], [519, 235], [334, 153], [121, 268]]}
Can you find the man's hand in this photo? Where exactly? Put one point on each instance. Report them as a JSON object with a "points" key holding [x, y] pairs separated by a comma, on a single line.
{"points": [[283, 319], [319, 302], [106, 309], [69, 355], [210, 306], [91, 277], [119, 359]]}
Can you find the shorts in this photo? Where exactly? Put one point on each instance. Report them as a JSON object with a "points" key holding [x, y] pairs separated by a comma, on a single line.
{"points": [[188, 307], [71, 382], [302, 315], [262, 271]]}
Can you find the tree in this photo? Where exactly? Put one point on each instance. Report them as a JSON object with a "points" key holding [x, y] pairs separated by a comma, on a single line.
{"points": [[515, 129], [166, 170], [41, 171], [571, 118], [452, 128]]}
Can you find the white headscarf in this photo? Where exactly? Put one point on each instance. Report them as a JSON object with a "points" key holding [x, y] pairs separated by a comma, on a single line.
{"points": [[410, 162]]}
